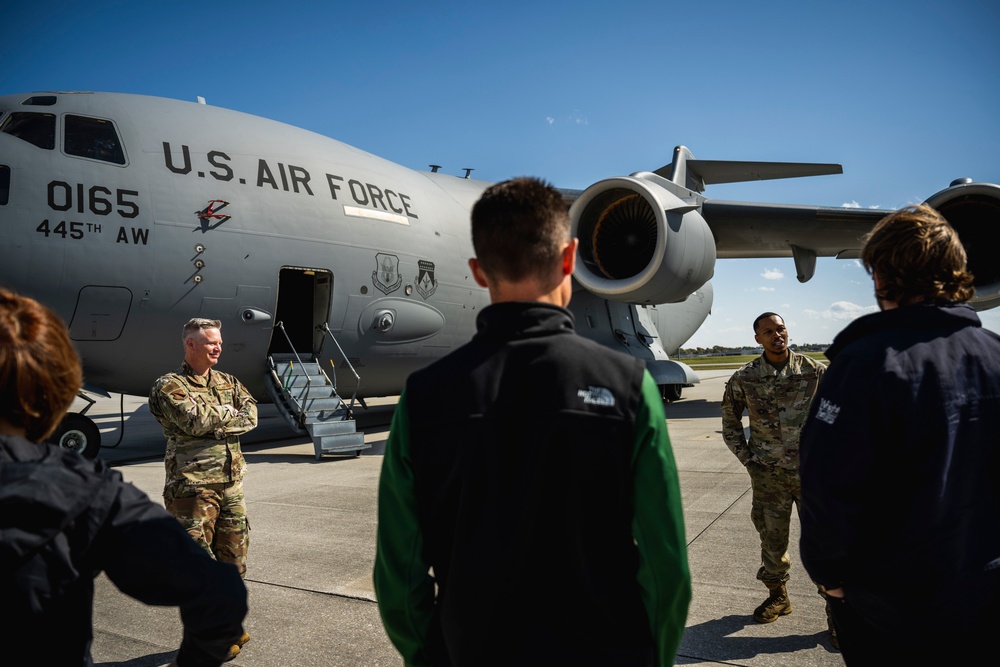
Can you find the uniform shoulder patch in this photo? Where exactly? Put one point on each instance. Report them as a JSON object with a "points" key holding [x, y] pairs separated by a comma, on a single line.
{"points": [[173, 387]]}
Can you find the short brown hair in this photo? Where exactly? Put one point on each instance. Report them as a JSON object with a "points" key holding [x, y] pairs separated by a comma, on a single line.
{"points": [[519, 229], [917, 256], [196, 324], [40, 371]]}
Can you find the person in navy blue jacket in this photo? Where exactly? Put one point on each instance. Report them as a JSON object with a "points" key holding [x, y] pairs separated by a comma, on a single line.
{"points": [[900, 459]]}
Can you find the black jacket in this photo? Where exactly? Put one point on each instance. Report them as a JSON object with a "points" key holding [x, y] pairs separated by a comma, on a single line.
{"points": [[537, 465], [63, 520], [900, 467]]}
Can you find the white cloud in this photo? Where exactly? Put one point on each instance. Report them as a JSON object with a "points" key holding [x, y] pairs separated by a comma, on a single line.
{"points": [[765, 289], [854, 204], [853, 266], [772, 274], [575, 118], [842, 311]]}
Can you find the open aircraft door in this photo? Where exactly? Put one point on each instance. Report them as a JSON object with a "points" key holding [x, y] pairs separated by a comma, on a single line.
{"points": [[303, 307], [300, 387]]}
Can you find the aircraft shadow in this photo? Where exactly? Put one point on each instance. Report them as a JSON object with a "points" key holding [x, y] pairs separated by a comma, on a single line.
{"points": [[713, 640], [272, 457], [153, 660], [697, 409]]}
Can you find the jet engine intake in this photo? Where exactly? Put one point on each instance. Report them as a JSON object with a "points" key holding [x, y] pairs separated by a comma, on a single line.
{"points": [[640, 242], [973, 209]]}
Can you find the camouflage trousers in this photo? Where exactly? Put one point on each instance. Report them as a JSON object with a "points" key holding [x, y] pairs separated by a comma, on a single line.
{"points": [[775, 490], [215, 515]]}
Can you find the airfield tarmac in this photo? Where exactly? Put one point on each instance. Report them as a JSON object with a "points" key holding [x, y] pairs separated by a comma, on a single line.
{"points": [[313, 543]]}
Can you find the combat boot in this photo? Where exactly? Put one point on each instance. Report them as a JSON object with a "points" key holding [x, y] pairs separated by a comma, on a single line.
{"points": [[777, 604], [234, 650], [834, 642]]}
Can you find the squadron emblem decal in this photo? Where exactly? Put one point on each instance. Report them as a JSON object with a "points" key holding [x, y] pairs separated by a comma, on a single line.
{"points": [[386, 274], [427, 284]]}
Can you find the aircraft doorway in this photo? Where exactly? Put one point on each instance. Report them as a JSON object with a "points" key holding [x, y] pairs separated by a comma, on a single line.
{"points": [[303, 305]]}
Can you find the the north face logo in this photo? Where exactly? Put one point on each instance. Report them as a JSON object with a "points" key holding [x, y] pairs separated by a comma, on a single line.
{"points": [[597, 396]]}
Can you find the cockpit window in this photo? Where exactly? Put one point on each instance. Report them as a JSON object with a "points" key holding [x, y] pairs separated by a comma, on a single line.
{"points": [[95, 138], [38, 129], [40, 101]]}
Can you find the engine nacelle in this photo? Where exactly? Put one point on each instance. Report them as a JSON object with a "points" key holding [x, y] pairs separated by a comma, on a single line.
{"points": [[973, 209], [640, 242]]}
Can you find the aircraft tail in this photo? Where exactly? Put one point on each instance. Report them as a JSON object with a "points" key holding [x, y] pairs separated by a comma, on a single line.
{"points": [[694, 174]]}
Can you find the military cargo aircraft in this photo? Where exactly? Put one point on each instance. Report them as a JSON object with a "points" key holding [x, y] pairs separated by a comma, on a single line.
{"points": [[130, 214]]}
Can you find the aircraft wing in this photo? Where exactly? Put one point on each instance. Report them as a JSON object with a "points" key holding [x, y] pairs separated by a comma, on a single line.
{"points": [[653, 237], [743, 229]]}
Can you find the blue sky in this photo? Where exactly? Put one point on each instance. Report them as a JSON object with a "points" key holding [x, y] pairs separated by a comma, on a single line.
{"points": [[903, 95]]}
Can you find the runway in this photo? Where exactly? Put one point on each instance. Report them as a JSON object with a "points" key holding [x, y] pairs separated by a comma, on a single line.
{"points": [[313, 542]]}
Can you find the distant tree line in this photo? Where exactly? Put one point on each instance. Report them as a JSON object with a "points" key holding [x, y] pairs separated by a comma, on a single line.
{"points": [[721, 350]]}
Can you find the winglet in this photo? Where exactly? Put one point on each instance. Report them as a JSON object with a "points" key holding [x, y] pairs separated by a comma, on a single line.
{"points": [[694, 174]]}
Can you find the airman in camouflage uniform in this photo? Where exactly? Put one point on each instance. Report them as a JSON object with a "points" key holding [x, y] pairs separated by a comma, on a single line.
{"points": [[776, 389], [203, 412]]}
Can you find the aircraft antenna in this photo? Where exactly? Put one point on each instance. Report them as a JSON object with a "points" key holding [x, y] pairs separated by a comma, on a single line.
{"points": [[468, 170], [434, 168]]}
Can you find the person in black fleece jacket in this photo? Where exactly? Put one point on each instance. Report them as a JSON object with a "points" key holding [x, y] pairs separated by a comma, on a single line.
{"points": [[64, 519], [555, 532]]}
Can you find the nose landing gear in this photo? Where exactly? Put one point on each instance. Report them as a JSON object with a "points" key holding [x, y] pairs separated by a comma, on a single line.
{"points": [[77, 433]]}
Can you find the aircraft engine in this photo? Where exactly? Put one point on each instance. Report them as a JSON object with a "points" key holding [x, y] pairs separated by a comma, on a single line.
{"points": [[973, 209], [640, 242]]}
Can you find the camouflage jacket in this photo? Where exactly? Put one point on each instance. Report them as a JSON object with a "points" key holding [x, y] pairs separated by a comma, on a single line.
{"points": [[202, 418], [778, 404]]}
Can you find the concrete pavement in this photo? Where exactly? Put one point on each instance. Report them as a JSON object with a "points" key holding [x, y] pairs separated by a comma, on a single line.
{"points": [[313, 542]]}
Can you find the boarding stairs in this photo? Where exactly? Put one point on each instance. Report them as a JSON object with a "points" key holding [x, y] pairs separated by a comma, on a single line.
{"points": [[308, 400]]}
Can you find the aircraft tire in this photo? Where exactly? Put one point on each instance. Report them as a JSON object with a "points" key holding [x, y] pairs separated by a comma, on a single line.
{"points": [[671, 392], [77, 433]]}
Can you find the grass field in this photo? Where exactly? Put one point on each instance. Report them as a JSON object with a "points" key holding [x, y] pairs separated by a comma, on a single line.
{"points": [[736, 361]]}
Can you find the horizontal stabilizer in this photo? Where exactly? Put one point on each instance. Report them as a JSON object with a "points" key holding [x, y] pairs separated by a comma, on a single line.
{"points": [[726, 171], [694, 174]]}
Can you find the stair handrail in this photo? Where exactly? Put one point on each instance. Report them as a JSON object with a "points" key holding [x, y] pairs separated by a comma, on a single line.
{"points": [[281, 325], [325, 328]]}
